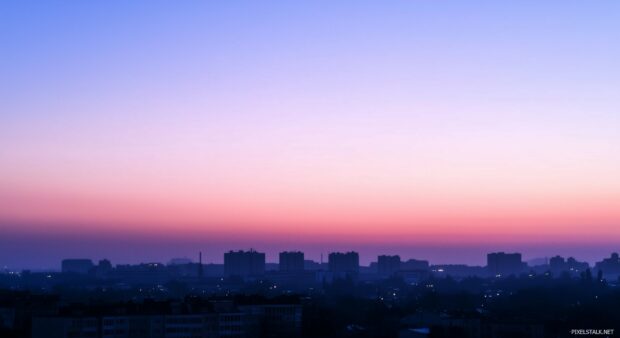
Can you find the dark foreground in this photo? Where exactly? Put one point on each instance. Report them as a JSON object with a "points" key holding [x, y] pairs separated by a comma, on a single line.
{"points": [[531, 305]]}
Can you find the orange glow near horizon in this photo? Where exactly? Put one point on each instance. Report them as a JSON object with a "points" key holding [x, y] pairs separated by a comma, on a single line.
{"points": [[471, 219]]}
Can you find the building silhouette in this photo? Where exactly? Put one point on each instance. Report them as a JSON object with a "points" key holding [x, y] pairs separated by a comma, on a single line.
{"points": [[388, 265], [179, 261], [103, 268], [348, 263], [291, 261], [503, 264], [574, 265], [78, 266], [244, 263], [414, 265], [193, 318], [609, 266], [558, 265]]}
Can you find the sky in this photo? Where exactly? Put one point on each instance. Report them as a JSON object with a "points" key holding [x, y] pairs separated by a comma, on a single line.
{"points": [[144, 130]]}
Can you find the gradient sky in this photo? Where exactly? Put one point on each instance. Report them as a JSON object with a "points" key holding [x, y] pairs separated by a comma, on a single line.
{"points": [[145, 130]]}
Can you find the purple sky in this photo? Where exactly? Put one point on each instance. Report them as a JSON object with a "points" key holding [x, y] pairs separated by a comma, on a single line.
{"points": [[144, 130]]}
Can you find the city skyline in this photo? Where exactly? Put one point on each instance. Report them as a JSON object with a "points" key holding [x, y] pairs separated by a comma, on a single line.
{"points": [[273, 255], [443, 131], [248, 297]]}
